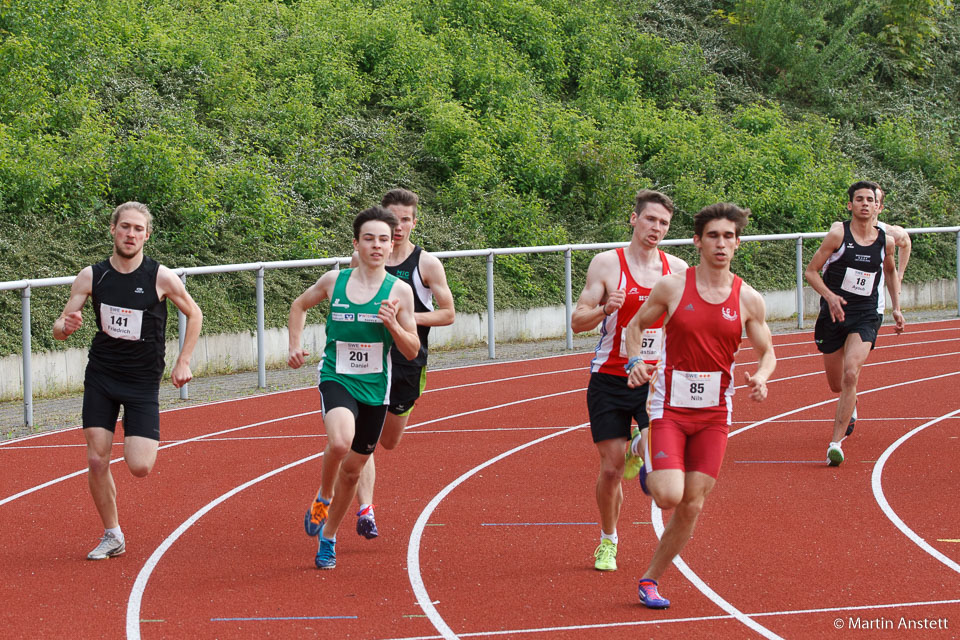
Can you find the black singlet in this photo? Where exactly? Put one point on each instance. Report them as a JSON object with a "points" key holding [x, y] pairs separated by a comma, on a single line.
{"points": [[131, 322], [409, 272]]}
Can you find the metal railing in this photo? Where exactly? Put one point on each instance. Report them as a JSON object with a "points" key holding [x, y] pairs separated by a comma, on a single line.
{"points": [[25, 286]]}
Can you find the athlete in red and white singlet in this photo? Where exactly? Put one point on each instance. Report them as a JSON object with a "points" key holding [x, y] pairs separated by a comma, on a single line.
{"points": [[707, 308], [694, 379], [618, 284], [611, 351]]}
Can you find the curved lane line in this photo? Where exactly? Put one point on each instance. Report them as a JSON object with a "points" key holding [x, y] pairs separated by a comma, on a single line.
{"points": [[413, 546], [876, 481], [136, 595], [656, 515]]}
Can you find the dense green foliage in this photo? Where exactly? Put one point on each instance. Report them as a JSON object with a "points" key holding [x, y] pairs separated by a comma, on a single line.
{"points": [[255, 130]]}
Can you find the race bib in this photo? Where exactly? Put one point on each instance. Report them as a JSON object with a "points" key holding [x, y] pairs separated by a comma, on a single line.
{"points": [[650, 345], [120, 323], [858, 282], [695, 389], [354, 358]]}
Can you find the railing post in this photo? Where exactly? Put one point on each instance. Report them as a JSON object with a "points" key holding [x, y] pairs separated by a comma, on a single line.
{"points": [[261, 350], [799, 282], [181, 333], [491, 333], [27, 350], [958, 273], [568, 292]]}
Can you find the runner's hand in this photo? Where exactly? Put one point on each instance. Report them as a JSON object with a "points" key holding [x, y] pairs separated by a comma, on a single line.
{"points": [[758, 387], [898, 318], [296, 358], [180, 375], [72, 322], [388, 312], [639, 375], [836, 304], [614, 301]]}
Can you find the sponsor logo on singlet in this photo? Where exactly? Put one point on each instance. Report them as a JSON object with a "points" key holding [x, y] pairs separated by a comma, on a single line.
{"points": [[728, 314]]}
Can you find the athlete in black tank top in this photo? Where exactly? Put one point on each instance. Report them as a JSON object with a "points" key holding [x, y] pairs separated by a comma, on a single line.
{"points": [[131, 321], [409, 272], [125, 361]]}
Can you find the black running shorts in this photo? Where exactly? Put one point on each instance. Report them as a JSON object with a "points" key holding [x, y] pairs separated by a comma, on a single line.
{"points": [[406, 385], [831, 336], [612, 405], [103, 396], [368, 419]]}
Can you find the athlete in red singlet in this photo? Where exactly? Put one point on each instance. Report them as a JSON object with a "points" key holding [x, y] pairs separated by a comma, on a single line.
{"points": [[618, 283], [690, 403]]}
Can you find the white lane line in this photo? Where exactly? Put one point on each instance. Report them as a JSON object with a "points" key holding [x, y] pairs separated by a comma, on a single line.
{"points": [[877, 484], [659, 621], [470, 366], [656, 516], [49, 483], [136, 593], [413, 546], [134, 601]]}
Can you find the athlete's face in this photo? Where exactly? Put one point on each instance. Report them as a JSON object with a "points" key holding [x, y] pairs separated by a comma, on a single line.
{"points": [[407, 216], [864, 204], [375, 243], [129, 233], [718, 243], [651, 225]]}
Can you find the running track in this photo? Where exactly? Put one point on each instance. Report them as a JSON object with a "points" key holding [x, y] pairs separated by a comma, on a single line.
{"points": [[488, 520]]}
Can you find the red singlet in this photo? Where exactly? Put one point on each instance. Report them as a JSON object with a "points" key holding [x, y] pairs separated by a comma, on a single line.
{"points": [[694, 379], [611, 354]]}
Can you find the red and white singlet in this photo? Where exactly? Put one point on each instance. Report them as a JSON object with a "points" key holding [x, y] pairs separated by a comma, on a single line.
{"points": [[694, 379], [611, 351]]}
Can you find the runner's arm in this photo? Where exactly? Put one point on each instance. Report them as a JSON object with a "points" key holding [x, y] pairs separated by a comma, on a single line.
{"points": [[435, 277], [904, 247], [171, 287], [758, 332], [893, 285], [595, 302], [830, 244], [71, 318], [397, 315], [310, 298]]}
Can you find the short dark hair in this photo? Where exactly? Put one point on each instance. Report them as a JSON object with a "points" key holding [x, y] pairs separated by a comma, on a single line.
{"points": [[646, 196], [725, 210], [862, 184], [402, 197], [374, 213]]}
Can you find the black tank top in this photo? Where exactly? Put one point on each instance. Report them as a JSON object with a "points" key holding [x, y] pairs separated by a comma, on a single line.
{"points": [[131, 322], [409, 272], [852, 271]]}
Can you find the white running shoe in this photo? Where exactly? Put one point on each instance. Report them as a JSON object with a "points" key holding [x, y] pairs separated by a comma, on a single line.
{"points": [[834, 454], [110, 546]]}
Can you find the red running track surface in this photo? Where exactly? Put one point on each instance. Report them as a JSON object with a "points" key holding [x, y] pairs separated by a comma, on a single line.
{"points": [[488, 519]]}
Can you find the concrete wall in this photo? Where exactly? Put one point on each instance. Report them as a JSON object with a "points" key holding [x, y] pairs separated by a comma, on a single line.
{"points": [[218, 353]]}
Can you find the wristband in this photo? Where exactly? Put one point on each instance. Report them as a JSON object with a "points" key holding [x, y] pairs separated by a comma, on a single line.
{"points": [[631, 363]]}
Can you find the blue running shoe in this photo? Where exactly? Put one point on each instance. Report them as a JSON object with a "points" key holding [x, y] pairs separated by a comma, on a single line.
{"points": [[366, 525], [649, 595], [326, 554], [315, 517], [642, 477]]}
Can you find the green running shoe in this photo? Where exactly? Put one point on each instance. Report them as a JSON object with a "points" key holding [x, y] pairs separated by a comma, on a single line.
{"points": [[606, 555], [632, 463]]}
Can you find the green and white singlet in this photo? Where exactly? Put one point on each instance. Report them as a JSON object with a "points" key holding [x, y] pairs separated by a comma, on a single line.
{"points": [[357, 354]]}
